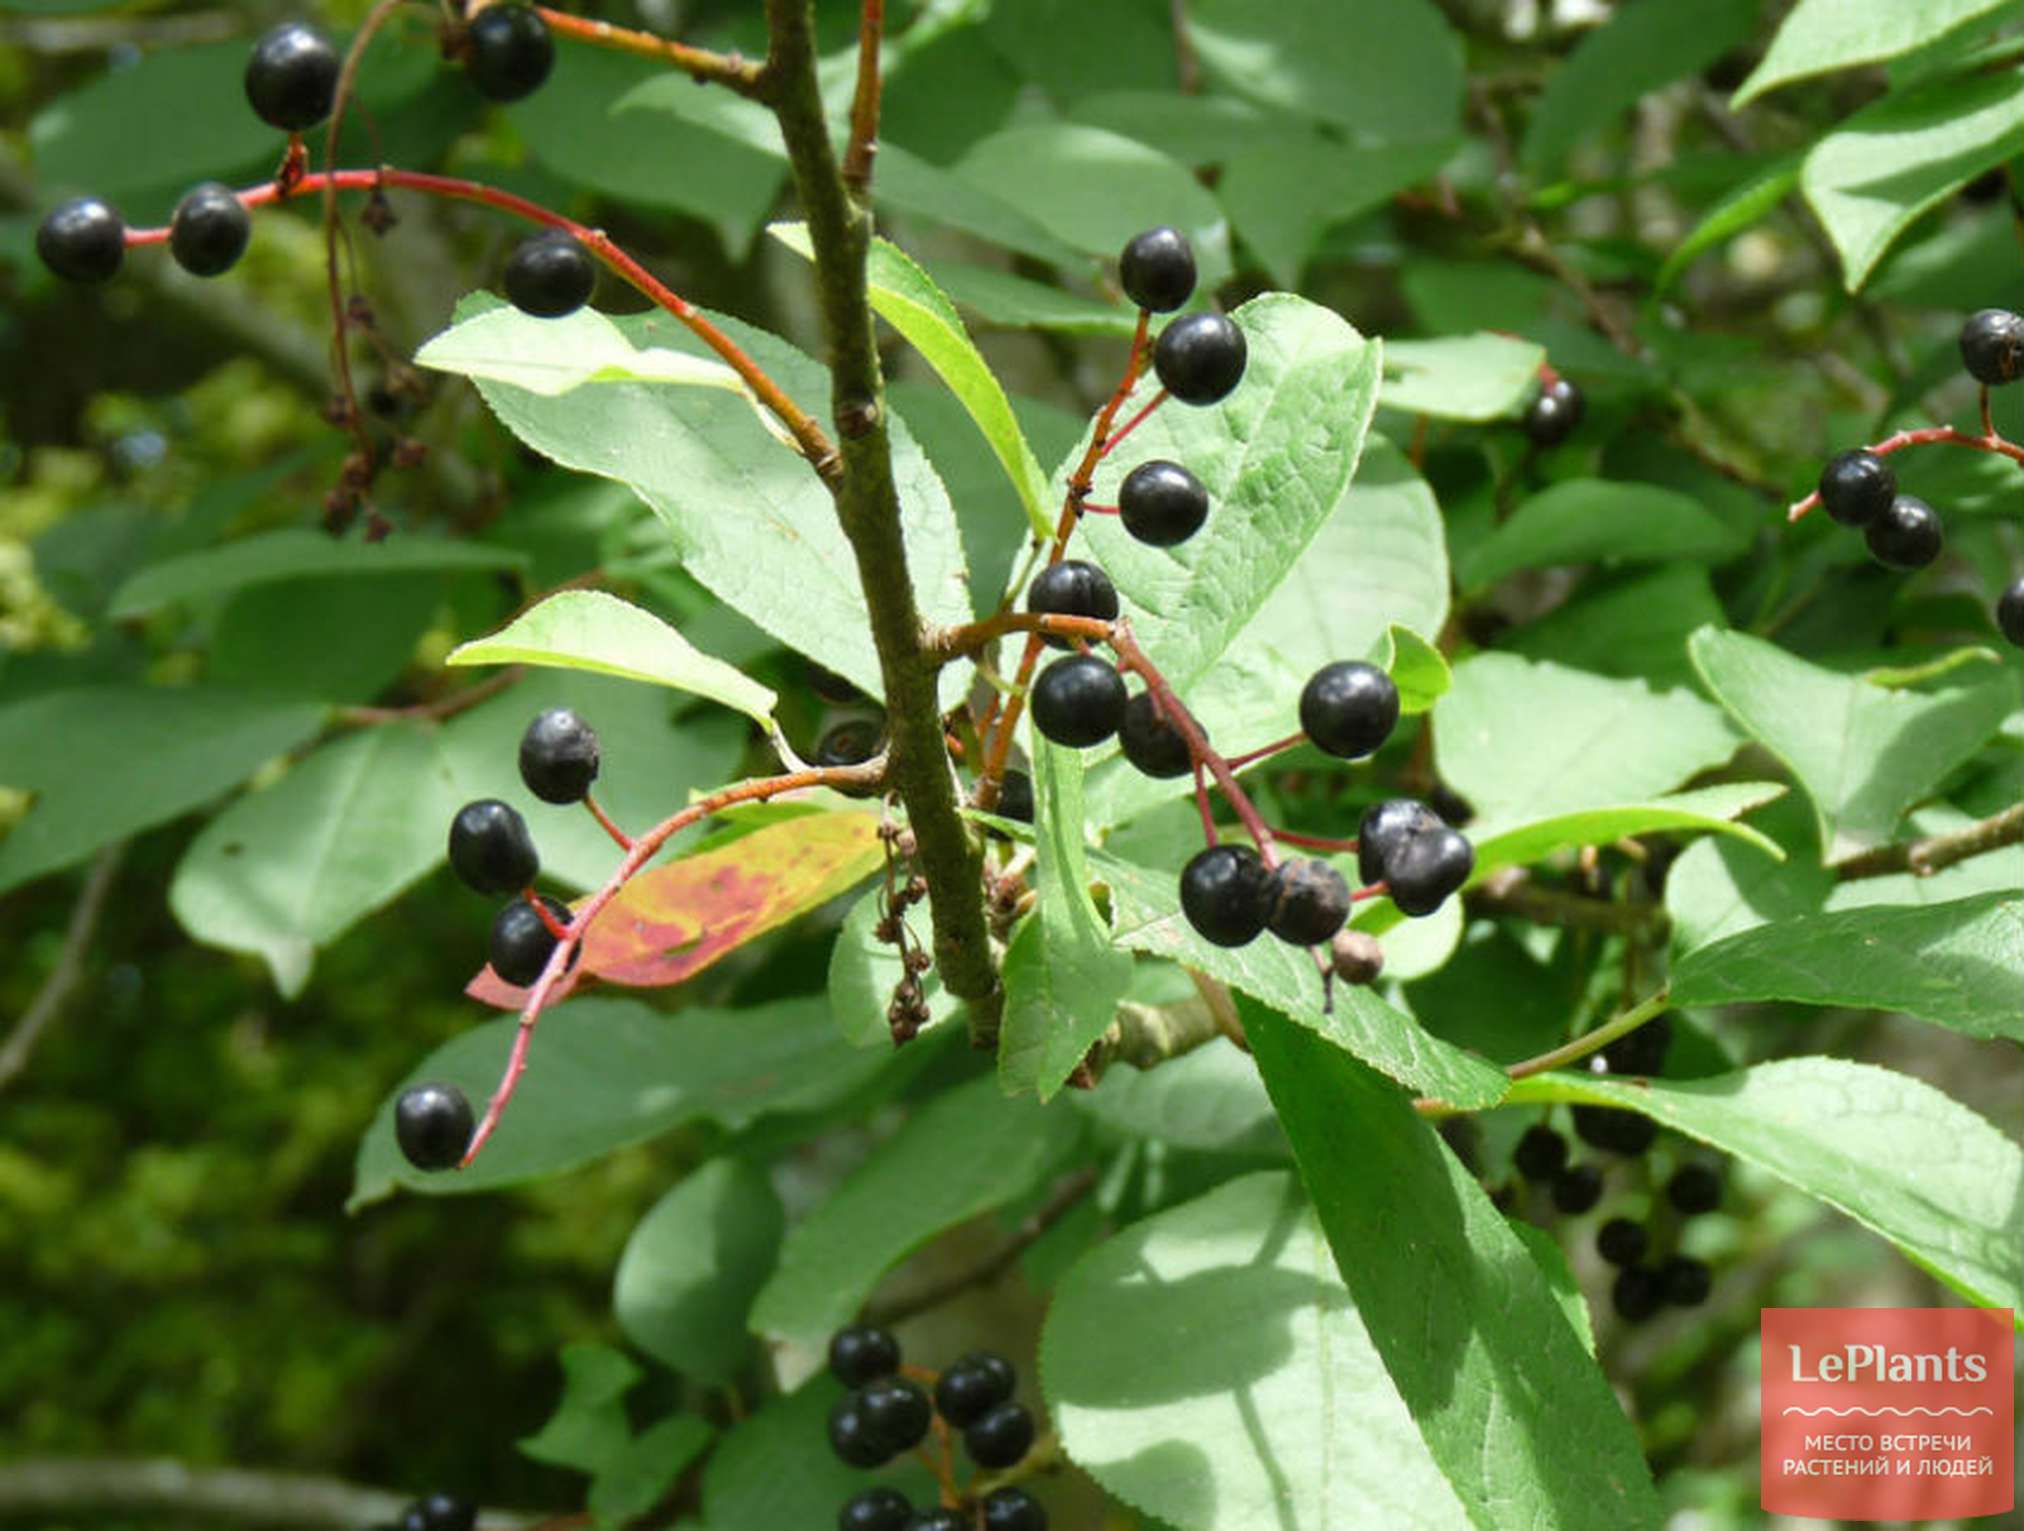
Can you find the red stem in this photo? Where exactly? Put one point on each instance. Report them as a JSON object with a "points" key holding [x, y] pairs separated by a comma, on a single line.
{"points": [[1932, 435], [623, 840], [1252, 757], [533, 900], [725, 69], [1315, 842], [1133, 424]]}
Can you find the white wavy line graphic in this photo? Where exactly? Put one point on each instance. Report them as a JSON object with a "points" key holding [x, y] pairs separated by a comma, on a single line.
{"points": [[1901, 1413]]}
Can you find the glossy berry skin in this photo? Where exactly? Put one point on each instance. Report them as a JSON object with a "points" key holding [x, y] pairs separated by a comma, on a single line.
{"points": [[1621, 1241], [1162, 504], [511, 52], [1992, 346], [1310, 903], [446, 1512], [851, 742], [1013, 1509], [1555, 413], [1642, 1051], [1078, 701], [1577, 1189], [876, 1509], [521, 942], [1349, 708], [1906, 536], [558, 756], [209, 231], [852, 1437], [1072, 588], [973, 1386], [1150, 742], [1384, 828], [291, 79], [1694, 1189], [490, 849], [897, 1411], [1541, 1153], [433, 1125], [1619, 1132], [1856, 487], [2010, 612], [1200, 358], [1227, 893], [1001, 1437], [82, 240], [1157, 270], [1015, 798], [1637, 1294], [1686, 1281], [1427, 868], [551, 275], [861, 1354], [937, 1519]]}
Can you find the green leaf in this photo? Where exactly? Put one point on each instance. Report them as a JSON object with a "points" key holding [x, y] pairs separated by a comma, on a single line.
{"points": [[1893, 1153], [1819, 36], [1063, 977], [1750, 202], [692, 1267], [608, 1073], [1636, 623], [551, 357], [1246, 1423], [1145, 914], [1552, 1260], [1864, 754], [1286, 192], [765, 1476], [1959, 964], [864, 971], [590, 630], [108, 761], [589, 1427], [276, 637], [1515, 1414], [1209, 1099], [634, 1477], [964, 1153], [1586, 520], [293, 866], [1870, 178], [999, 297], [1416, 668], [292, 554], [1463, 377], [906, 298], [1717, 809]]}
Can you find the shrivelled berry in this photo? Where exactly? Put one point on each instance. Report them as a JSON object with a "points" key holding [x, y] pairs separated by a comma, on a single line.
{"points": [[1015, 798], [1856, 487], [521, 942], [558, 756], [1013, 1509], [1150, 742], [1621, 1241], [1642, 1051], [862, 1353], [291, 79], [1554, 413], [876, 1509], [446, 1512], [1686, 1281], [490, 849], [1157, 270], [1427, 868], [82, 240], [937, 1519], [851, 742], [1078, 701], [2010, 612], [1227, 893], [1200, 358], [1356, 957], [1384, 828], [1072, 588], [1541, 1153], [1349, 708], [972, 1386], [209, 231], [1000, 1437], [1162, 504], [1310, 902], [1906, 536], [1614, 1130], [511, 52], [852, 1436], [1694, 1189], [433, 1125], [550, 275], [1637, 1294], [1577, 1189], [1992, 346]]}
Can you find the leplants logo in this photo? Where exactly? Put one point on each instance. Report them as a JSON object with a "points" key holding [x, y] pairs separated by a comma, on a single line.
{"points": [[1888, 1413]]}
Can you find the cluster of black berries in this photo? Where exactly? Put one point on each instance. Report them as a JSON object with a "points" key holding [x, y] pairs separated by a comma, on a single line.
{"points": [[885, 1414], [1555, 411], [438, 1512], [1643, 1284]]}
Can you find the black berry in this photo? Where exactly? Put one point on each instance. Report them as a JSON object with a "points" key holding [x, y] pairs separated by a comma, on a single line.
{"points": [[490, 849], [511, 52], [897, 1411], [1200, 358], [1078, 701], [861, 1354], [1162, 504], [1427, 868], [937, 1520], [1349, 708], [1577, 1189], [1001, 1437], [972, 1386], [1356, 957], [1621, 1241], [1616, 1131], [1637, 1294], [1227, 893], [1856, 487], [1642, 1051], [291, 79], [2010, 612], [1013, 1509], [852, 1436], [1906, 536], [209, 231], [1686, 1281], [1157, 270], [1150, 742], [851, 742], [433, 1125], [1992, 346], [1015, 798], [1541, 1153], [521, 942], [1072, 588], [876, 1509], [550, 275], [446, 1512], [1384, 828], [558, 756], [1310, 902], [1555, 413], [1694, 1189], [82, 240]]}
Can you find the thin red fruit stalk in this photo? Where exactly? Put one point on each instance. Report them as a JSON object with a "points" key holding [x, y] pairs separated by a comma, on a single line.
{"points": [[1932, 435]]}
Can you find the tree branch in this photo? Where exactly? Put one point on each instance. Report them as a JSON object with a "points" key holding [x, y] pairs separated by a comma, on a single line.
{"points": [[1936, 853], [1511, 891], [700, 64], [59, 1488], [864, 105], [63, 978]]}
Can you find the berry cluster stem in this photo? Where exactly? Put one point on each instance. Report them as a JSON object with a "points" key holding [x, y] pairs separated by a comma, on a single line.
{"points": [[700, 64], [1932, 435], [864, 106]]}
